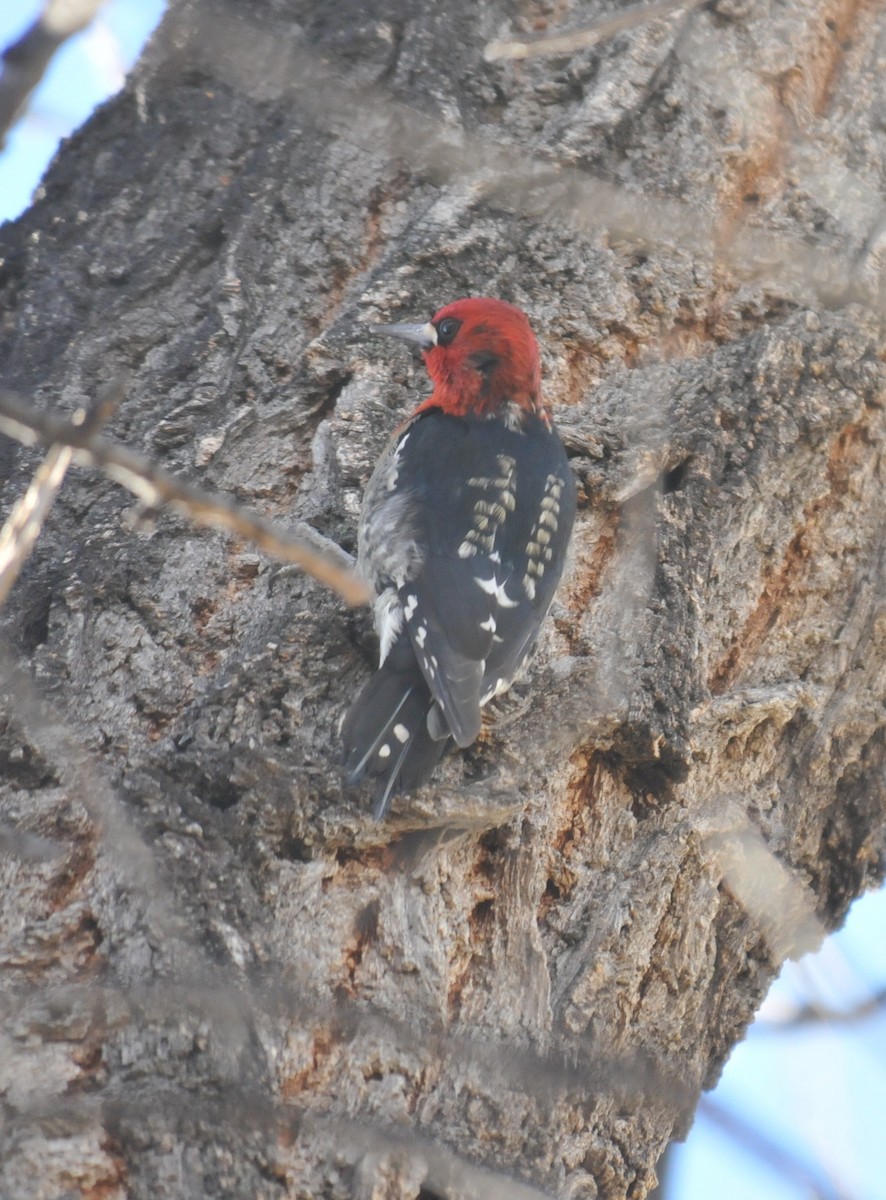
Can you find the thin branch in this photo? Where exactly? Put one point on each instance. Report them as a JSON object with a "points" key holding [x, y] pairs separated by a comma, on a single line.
{"points": [[25, 61], [22, 529], [361, 1143], [23, 526], [780, 905], [769, 1151], [27, 847], [591, 35], [225, 1003], [81, 774], [819, 1014], [444, 1173], [154, 487], [502, 174]]}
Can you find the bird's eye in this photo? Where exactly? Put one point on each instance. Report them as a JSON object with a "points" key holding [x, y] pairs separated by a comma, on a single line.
{"points": [[446, 330]]}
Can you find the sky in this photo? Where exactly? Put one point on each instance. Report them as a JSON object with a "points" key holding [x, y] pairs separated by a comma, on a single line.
{"points": [[816, 1092], [88, 68]]}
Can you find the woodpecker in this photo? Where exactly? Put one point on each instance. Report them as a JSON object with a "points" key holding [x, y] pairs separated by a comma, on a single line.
{"points": [[462, 536]]}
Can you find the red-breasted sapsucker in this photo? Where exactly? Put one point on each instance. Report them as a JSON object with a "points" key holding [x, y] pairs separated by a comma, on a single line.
{"points": [[463, 535]]}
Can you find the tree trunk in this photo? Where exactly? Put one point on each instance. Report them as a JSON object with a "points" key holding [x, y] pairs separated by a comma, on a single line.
{"points": [[220, 976]]}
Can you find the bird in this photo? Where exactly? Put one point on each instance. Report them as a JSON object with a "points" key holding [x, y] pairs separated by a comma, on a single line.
{"points": [[462, 538]]}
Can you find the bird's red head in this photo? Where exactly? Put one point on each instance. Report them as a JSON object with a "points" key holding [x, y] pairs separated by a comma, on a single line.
{"points": [[481, 354]]}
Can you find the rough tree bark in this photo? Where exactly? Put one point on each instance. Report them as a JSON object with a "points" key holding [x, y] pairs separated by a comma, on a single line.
{"points": [[219, 977]]}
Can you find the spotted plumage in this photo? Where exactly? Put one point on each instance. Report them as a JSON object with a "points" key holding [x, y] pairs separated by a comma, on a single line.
{"points": [[463, 536]]}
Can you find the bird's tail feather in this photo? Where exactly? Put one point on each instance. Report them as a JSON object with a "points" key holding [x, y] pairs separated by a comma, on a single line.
{"points": [[386, 737]]}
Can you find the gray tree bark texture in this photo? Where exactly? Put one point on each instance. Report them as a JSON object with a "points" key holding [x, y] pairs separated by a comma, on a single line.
{"points": [[220, 977]]}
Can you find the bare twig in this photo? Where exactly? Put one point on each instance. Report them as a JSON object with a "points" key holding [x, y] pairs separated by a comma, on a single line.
{"points": [[781, 906], [80, 773], [566, 194], [363, 1143], [25, 61], [21, 530], [819, 1014], [503, 174], [755, 1142], [23, 526], [591, 35], [224, 1003], [155, 487], [443, 1172]]}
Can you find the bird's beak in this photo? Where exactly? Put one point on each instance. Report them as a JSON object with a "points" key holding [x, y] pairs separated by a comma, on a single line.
{"points": [[424, 336]]}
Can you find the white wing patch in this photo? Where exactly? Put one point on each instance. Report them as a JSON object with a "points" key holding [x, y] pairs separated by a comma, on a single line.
{"points": [[394, 464], [493, 588], [498, 689], [387, 616]]}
